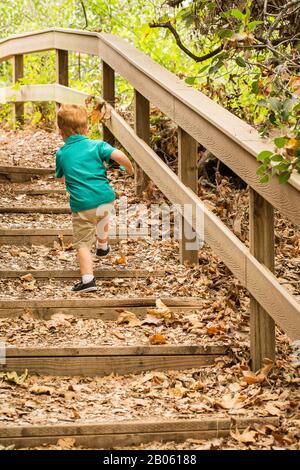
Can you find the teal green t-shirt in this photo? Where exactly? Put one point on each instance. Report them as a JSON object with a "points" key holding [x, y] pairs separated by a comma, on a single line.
{"points": [[81, 162]]}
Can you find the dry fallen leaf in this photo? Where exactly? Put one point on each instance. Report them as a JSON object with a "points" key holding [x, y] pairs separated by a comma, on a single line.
{"points": [[157, 339], [251, 378], [13, 377], [272, 409], [41, 390], [229, 402], [66, 443], [120, 260], [27, 277], [246, 437], [128, 318], [162, 311]]}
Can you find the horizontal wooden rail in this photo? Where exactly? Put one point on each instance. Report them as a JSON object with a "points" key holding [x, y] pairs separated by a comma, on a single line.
{"points": [[258, 280], [229, 138]]}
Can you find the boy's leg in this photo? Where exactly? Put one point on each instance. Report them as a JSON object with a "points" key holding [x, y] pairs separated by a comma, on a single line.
{"points": [[85, 260], [83, 237], [102, 228]]}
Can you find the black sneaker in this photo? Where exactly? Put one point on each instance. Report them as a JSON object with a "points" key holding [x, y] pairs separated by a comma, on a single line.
{"points": [[87, 287], [100, 252]]}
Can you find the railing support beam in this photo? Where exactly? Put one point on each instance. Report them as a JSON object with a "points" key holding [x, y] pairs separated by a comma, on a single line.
{"points": [[108, 93], [18, 72], [62, 69], [142, 129], [262, 326], [188, 174]]}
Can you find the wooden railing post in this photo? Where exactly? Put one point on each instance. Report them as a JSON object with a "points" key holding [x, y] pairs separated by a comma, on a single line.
{"points": [[188, 174], [18, 72], [108, 93], [62, 69], [262, 326], [142, 129]]}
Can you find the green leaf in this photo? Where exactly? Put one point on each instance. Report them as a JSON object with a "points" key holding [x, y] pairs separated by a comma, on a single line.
{"points": [[277, 158], [237, 14], [190, 80], [204, 68], [255, 87], [262, 103], [264, 155], [240, 61], [225, 33], [275, 104], [261, 169], [284, 177], [264, 179], [252, 25], [280, 142]]}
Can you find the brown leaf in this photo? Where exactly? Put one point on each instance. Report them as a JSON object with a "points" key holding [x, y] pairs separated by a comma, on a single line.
{"points": [[27, 277], [216, 328], [272, 409], [120, 260], [246, 437], [229, 402], [66, 443], [128, 318], [41, 390], [150, 320], [157, 339], [162, 311], [252, 378]]}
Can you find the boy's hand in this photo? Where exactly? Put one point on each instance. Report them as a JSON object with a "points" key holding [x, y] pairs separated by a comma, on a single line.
{"points": [[130, 170]]}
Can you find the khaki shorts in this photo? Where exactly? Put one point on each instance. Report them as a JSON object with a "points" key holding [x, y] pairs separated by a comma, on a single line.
{"points": [[86, 223]]}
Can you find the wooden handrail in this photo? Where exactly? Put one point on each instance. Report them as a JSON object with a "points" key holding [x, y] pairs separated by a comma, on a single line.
{"points": [[229, 138]]}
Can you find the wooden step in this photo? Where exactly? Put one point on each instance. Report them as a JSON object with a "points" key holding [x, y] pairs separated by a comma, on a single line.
{"points": [[46, 237], [72, 274], [105, 360], [109, 435], [39, 192], [106, 309], [34, 210], [18, 174]]}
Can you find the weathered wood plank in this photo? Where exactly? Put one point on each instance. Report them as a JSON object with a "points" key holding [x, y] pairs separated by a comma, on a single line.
{"points": [[142, 129], [164, 350], [100, 302], [34, 210], [39, 191], [103, 313], [26, 170], [18, 73], [262, 326], [188, 175], [105, 365], [48, 236], [207, 423], [71, 274], [62, 67], [108, 92]]}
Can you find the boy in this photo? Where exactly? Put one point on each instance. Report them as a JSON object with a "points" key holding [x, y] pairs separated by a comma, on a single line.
{"points": [[80, 163]]}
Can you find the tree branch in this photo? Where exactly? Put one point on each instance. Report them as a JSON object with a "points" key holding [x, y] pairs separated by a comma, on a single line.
{"points": [[282, 14], [174, 3], [180, 44], [85, 14]]}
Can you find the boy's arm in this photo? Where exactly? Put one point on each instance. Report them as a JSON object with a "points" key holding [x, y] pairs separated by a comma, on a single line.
{"points": [[122, 160], [59, 174]]}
